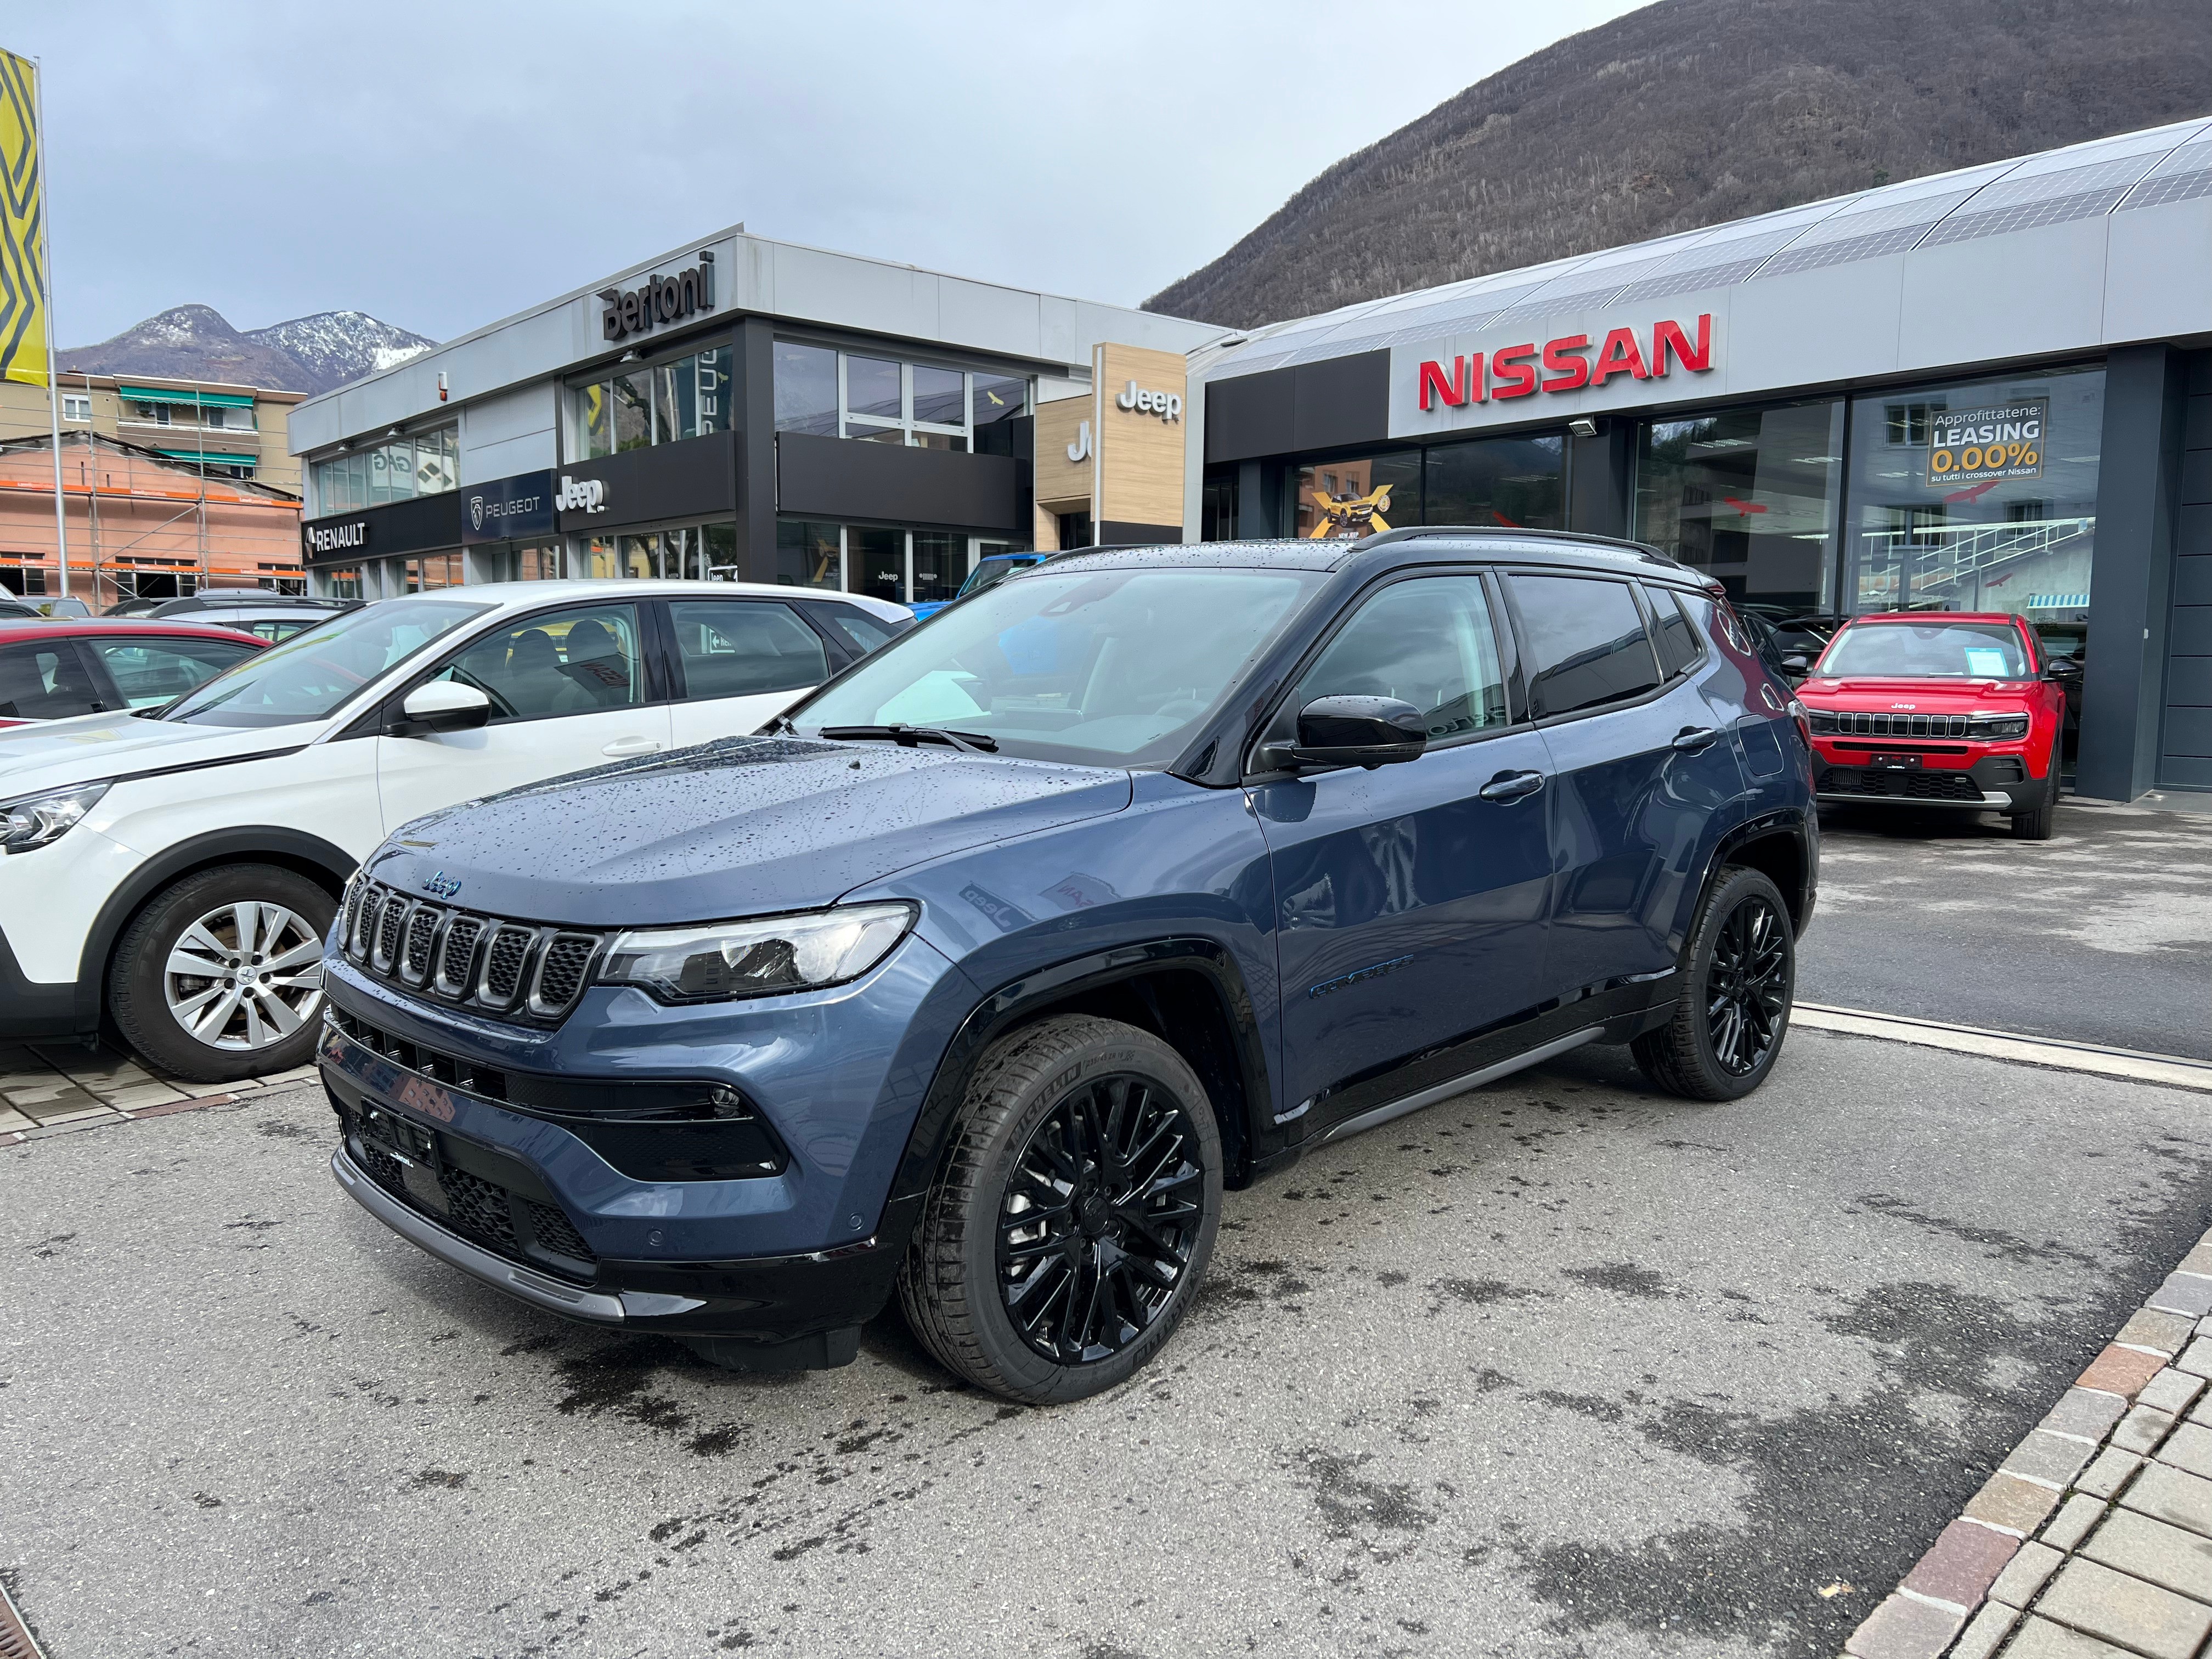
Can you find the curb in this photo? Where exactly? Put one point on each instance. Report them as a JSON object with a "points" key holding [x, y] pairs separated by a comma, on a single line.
{"points": [[2015, 1565], [2173, 1071]]}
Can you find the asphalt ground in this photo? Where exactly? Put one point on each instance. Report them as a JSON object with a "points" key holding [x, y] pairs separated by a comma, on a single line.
{"points": [[2102, 934], [1562, 1368]]}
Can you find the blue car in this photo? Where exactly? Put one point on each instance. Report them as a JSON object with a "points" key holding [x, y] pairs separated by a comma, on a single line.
{"points": [[976, 981], [988, 573]]}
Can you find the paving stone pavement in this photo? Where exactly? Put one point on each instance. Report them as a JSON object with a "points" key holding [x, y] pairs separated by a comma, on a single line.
{"points": [[53, 1089], [2094, 1539]]}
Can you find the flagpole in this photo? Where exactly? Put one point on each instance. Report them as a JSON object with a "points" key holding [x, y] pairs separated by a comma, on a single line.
{"points": [[46, 278]]}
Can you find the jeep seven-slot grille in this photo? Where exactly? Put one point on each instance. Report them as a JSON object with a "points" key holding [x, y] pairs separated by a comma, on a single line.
{"points": [[508, 969], [1838, 723]]}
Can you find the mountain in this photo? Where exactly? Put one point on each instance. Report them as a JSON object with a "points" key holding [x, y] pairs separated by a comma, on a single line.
{"points": [[1692, 112], [308, 354]]}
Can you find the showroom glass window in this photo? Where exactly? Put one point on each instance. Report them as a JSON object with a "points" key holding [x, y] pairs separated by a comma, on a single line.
{"points": [[1979, 496], [641, 404], [1749, 497], [878, 398], [396, 470], [907, 566], [1358, 495], [698, 553], [1515, 482]]}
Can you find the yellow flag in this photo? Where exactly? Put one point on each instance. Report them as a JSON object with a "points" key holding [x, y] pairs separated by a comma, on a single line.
{"points": [[23, 227]]}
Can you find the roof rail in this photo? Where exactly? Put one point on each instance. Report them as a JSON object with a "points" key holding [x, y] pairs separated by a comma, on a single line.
{"points": [[1414, 532]]}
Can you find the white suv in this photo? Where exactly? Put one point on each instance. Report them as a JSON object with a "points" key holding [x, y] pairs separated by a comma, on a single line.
{"points": [[177, 868]]}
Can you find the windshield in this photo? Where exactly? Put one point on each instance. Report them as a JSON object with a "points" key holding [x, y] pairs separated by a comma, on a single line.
{"points": [[309, 676], [1102, 667], [1930, 650]]}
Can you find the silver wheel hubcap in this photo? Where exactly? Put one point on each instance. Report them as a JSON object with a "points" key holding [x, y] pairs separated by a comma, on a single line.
{"points": [[245, 975]]}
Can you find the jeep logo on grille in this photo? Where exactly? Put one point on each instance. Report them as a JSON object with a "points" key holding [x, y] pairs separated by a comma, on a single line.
{"points": [[441, 884]]}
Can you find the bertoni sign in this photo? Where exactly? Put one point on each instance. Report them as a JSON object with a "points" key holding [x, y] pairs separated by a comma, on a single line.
{"points": [[1567, 364], [658, 300]]}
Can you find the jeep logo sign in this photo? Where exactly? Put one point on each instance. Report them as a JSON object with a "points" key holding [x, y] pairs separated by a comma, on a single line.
{"points": [[1168, 405], [657, 300], [589, 496], [336, 537]]}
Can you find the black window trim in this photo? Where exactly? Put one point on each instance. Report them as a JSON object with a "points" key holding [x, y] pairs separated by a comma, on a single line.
{"points": [[1508, 657], [678, 684], [1544, 722]]}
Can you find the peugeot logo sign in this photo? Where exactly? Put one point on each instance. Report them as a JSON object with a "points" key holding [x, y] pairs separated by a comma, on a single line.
{"points": [[476, 512]]}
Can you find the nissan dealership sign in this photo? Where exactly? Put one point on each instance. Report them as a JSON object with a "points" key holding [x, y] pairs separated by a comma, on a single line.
{"points": [[1442, 387]]}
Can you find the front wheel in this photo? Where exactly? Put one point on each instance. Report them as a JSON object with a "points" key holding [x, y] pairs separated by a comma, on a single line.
{"points": [[1074, 1215], [220, 976], [1734, 1008]]}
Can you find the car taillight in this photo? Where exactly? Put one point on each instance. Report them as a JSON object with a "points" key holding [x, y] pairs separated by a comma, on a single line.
{"points": [[1798, 713]]}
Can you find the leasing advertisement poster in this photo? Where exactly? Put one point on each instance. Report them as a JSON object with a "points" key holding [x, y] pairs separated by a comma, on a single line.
{"points": [[1988, 444]]}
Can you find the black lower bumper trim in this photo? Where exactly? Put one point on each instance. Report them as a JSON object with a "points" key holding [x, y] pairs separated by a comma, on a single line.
{"points": [[746, 1310], [30, 1011]]}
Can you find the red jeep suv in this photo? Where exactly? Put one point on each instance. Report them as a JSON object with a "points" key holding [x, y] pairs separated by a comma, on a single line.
{"points": [[1938, 709]]}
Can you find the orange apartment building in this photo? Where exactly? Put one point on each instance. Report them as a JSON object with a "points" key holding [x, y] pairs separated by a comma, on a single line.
{"points": [[168, 486]]}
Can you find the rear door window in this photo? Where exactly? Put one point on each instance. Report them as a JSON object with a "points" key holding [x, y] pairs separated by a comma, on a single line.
{"points": [[1586, 643], [741, 647], [150, 672], [861, 629], [45, 680]]}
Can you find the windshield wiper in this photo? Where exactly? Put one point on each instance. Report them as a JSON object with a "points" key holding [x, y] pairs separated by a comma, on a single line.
{"points": [[973, 743]]}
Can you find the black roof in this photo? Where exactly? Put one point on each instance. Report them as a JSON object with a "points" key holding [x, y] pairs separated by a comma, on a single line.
{"points": [[1563, 547]]}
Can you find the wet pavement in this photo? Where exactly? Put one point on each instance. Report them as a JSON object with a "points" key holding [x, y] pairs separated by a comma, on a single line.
{"points": [[1563, 1368], [2102, 934]]}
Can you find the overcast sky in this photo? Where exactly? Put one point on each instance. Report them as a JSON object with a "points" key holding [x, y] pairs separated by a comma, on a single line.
{"points": [[441, 166]]}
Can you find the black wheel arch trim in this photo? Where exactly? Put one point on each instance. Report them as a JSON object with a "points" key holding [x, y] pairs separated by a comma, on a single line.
{"points": [[1801, 825], [251, 843], [1258, 1140]]}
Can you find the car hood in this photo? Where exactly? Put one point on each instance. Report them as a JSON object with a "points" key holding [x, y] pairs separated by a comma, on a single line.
{"points": [[1879, 696], [745, 826], [53, 754]]}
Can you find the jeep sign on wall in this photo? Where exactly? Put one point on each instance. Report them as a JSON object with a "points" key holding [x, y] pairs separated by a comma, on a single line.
{"points": [[657, 300]]}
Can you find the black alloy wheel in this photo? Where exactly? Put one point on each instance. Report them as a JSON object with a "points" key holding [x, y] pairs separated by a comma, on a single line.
{"points": [[1748, 986], [1732, 1011], [1074, 1214], [1098, 1221]]}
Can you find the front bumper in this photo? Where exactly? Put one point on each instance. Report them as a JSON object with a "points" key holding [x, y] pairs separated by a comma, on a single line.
{"points": [[1953, 777], [764, 1314]]}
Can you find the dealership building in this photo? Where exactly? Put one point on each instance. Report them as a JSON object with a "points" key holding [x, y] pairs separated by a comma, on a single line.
{"points": [[1985, 390], [1989, 389], [747, 409]]}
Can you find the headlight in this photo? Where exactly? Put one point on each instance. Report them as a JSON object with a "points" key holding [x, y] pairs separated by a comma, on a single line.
{"points": [[720, 960], [37, 820], [1822, 721], [1997, 726]]}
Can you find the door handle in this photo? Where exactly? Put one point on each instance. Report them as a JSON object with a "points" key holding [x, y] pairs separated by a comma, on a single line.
{"points": [[623, 748], [1691, 739], [1511, 786]]}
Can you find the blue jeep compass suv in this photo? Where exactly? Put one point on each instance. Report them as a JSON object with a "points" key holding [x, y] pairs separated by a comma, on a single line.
{"points": [[979, 975]]}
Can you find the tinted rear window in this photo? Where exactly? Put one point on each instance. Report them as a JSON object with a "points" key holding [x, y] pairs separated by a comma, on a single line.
{"points": [[1677, 638], [1586, 642]]}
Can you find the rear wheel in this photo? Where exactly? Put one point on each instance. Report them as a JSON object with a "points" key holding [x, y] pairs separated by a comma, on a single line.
{"points": [[1074, 1216], [220, 976], [1734, 1008]]}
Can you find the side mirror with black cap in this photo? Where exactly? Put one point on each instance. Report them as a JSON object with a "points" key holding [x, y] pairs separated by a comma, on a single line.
{"points": [[1353, 731], [1797, 663], [441, 706]]}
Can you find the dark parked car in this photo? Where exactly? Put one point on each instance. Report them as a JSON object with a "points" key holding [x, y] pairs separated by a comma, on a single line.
{"points": [[274, 616], [978, 975]]}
